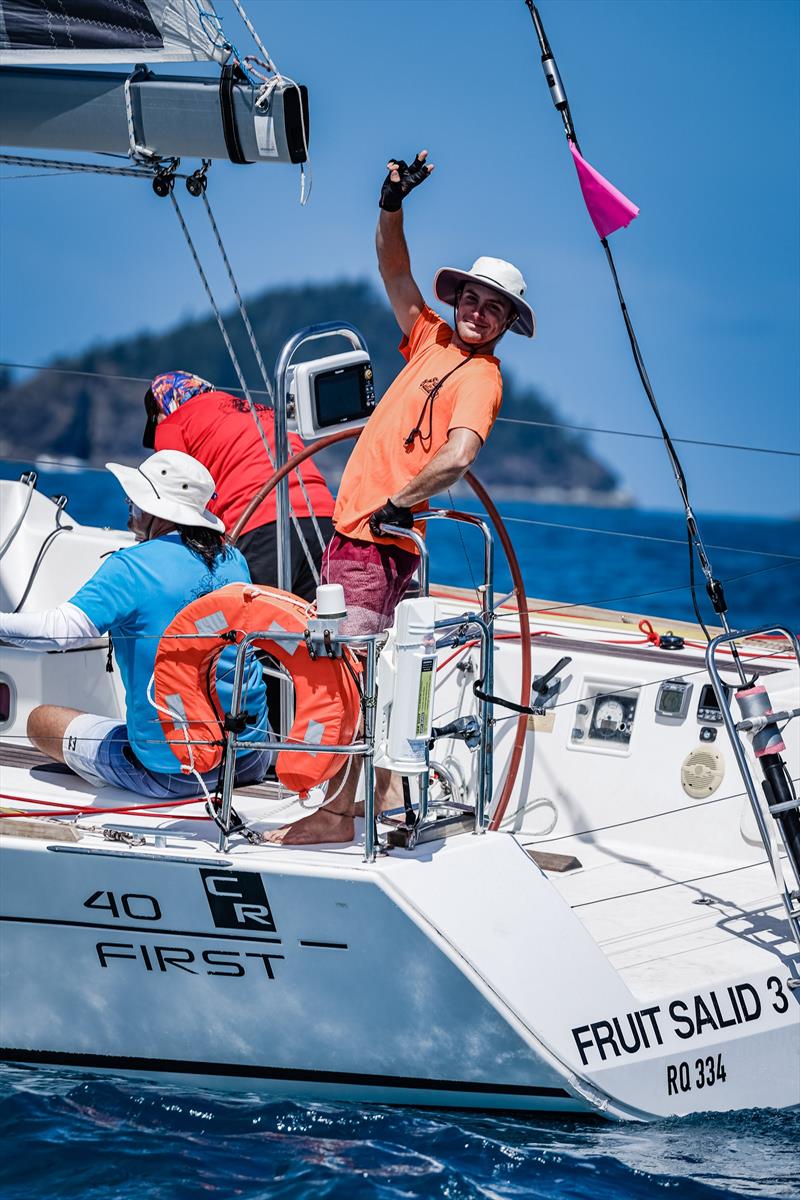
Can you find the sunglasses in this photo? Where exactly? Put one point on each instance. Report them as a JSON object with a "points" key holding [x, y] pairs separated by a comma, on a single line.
{"points": [[134, 511]]}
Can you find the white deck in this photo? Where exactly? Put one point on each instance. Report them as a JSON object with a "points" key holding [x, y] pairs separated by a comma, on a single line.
{"points": [[679, 923]]}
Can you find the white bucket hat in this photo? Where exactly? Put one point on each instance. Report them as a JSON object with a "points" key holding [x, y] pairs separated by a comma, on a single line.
{"points": [[503, 276], [172, 485]]}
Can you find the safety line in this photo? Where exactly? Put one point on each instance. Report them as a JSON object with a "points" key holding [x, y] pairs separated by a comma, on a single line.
{"points": [[678, 587], [669, 812], [653, 437], [648, 683], [647, 537], [630, 433], [786, 559], [660, 887], [498, 616]]}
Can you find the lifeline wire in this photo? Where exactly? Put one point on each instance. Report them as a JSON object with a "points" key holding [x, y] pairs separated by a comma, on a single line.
{"points": [[557, 608], [631, 433]]}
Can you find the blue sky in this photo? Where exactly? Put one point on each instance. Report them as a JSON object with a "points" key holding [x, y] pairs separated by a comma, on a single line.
{"points": [[690, 108]]}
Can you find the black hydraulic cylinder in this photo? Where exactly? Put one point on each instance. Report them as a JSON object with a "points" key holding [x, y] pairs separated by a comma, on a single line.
{"points": [[778, 791]]}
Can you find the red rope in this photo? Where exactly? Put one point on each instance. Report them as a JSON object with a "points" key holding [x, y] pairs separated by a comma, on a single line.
{"points": [[69, 810]]}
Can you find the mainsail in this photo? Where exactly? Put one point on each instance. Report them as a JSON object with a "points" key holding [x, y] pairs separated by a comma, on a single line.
{"points": [[107, 31]]}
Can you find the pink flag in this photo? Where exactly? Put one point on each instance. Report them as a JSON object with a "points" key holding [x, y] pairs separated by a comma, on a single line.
{"points": [[607, 206]]}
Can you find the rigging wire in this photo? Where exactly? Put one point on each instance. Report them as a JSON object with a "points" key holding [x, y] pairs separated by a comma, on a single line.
{"points": [[61, 166], [467, 559], [650, 437], [499, 615], [714, 588], [648, 683], [660, 887], [265, 377], [786, 559], [646, 537], [630, 433], [14, 366], [680, 587], [236, 366]]}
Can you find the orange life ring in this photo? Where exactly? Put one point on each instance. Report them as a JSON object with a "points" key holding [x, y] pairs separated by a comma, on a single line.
{"points": [[327, 701]]}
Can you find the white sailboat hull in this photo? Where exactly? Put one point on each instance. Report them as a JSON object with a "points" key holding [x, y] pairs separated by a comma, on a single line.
{"points": [[394, 983], [619, 948]]}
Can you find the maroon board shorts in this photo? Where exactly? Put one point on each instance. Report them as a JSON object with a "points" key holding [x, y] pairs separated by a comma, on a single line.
{"points": [[374, 578]]}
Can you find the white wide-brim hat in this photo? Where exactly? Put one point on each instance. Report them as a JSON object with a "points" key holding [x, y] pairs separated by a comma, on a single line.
{"points": [[495, 273], [172, 485]]}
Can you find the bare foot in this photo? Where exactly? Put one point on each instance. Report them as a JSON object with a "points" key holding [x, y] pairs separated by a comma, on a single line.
{"points": [[319, 828], [379, 808]]}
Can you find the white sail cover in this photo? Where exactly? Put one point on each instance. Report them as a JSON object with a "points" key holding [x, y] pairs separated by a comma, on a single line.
{"points": [[106, 31]]}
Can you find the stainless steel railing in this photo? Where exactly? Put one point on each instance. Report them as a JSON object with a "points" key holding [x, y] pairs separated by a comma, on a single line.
{"points": [[364, 748], [789, 894], [468, 620]]}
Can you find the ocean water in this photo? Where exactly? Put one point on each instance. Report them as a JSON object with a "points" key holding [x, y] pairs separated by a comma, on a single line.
{"points": [[105, 1139], [98, 1138]]}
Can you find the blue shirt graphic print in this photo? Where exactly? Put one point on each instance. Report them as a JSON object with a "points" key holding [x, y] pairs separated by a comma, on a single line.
{"points": [[134, 595]]}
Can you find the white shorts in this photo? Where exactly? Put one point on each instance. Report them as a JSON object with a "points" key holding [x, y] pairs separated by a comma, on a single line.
{"points": [[83, 738], [99, 750]]}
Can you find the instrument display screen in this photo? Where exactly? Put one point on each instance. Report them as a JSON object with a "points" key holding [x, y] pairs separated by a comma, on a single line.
{"points": [[708, 707], [340, 396], [672, 701]]}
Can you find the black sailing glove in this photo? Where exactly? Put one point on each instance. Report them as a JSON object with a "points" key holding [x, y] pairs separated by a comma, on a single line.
{"points": [[394, 191], [391, 514]]}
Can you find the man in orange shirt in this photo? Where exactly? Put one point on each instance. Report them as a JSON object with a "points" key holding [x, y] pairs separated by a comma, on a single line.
{"points": [[423, 436], [432, 421]]}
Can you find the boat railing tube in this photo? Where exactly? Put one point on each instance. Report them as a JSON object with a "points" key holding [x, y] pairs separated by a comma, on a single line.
{"points": [[486, 757], [783, 804], [364, 748], [311, 333], [485, 780]]}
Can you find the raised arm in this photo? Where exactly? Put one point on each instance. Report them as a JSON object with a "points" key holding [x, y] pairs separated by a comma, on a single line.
{"points": [[394, 261]]}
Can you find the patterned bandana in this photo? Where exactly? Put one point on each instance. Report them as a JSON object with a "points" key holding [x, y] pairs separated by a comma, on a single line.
{"points": [[174, 388]]}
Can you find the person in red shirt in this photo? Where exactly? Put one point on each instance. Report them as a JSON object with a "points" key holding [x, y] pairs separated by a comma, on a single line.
{"points": [[185, 412], [423, 436]]}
